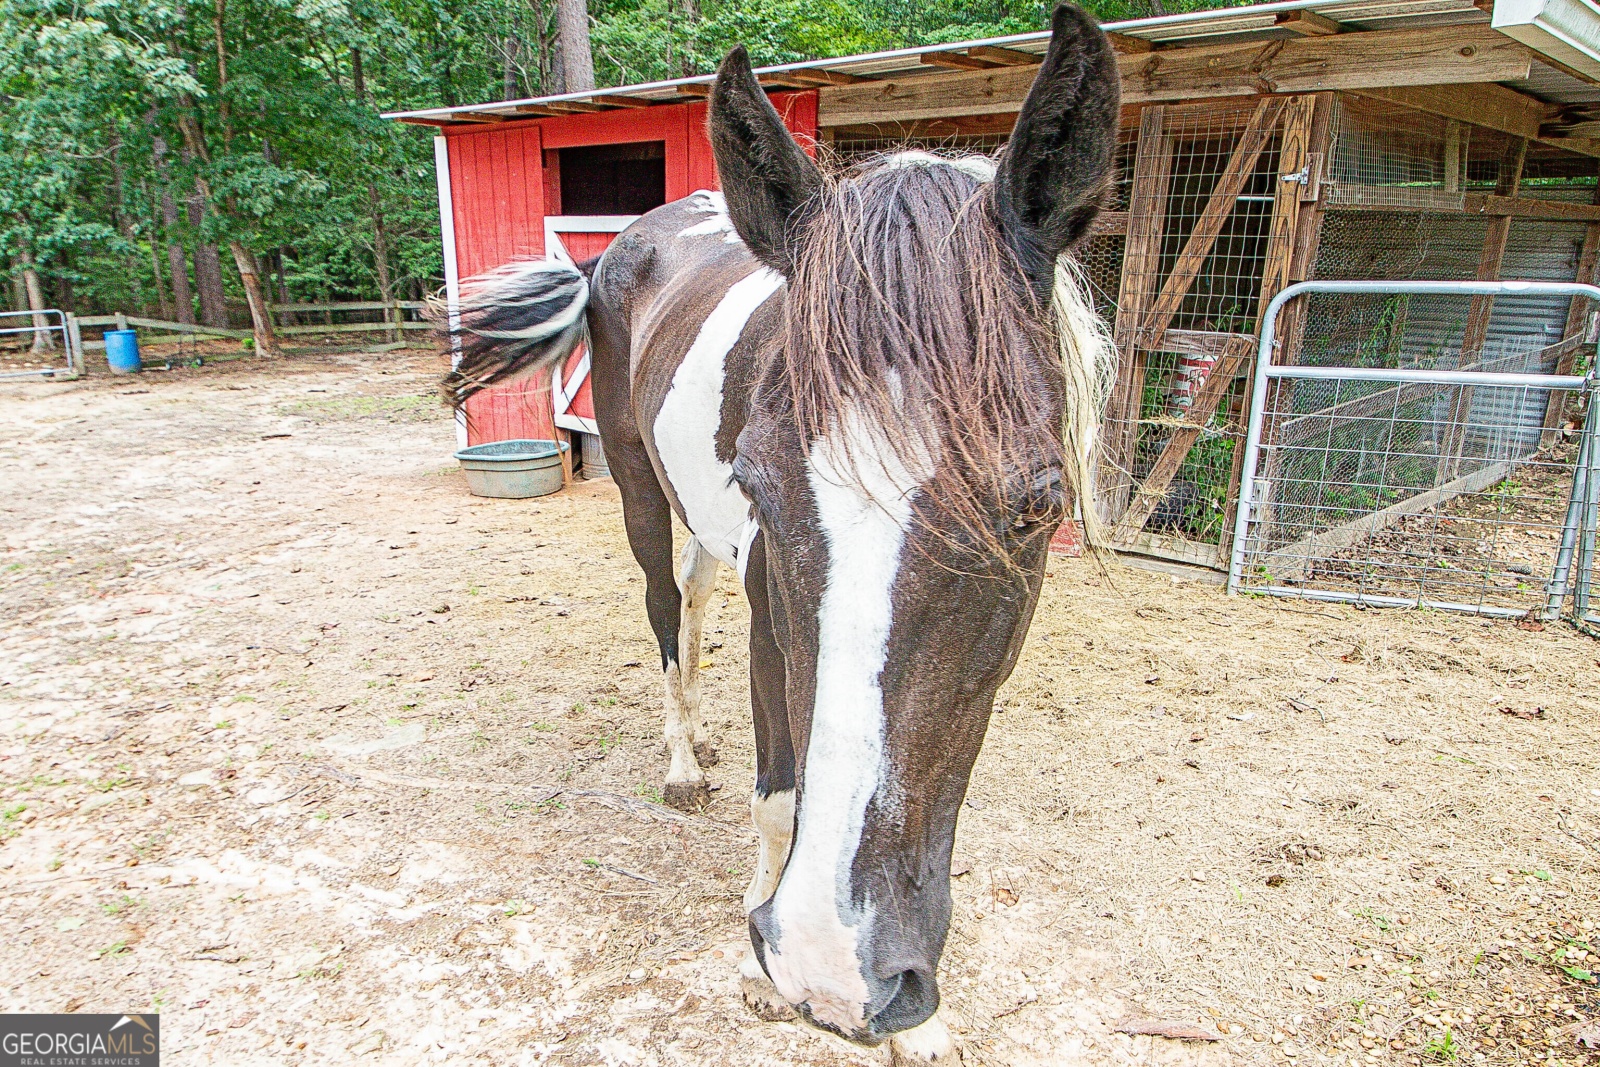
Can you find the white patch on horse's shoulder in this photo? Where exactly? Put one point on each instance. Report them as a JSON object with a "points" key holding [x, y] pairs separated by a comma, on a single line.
{"points": [[863, 492], [706, 202], [685, 429], [979, 167]]}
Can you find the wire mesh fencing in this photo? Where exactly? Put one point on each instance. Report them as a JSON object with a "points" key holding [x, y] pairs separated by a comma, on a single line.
{"points": [[1402, 470], [1200, 190]]}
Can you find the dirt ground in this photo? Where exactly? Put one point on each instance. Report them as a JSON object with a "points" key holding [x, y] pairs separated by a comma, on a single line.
{"points": [[330, 762]]}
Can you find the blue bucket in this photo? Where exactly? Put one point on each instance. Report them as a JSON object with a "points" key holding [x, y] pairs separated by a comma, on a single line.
{"points": [[122, 352]]}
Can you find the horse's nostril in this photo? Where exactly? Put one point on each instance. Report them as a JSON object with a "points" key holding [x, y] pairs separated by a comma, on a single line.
{"points": [[913, 1002]]}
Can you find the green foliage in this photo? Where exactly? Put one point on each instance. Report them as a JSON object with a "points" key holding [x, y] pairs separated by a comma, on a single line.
{"points": [[273, 139]]}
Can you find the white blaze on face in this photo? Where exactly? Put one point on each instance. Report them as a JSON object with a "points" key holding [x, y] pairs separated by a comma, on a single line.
{"points": [[863, 497], [685, 429]]}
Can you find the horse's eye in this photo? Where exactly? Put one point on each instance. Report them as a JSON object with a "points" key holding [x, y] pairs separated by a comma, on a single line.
{"points": [[1041, 499]]}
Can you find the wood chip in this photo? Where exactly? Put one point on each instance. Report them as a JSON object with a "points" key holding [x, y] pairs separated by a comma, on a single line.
{"points": [[1165, 1028]]}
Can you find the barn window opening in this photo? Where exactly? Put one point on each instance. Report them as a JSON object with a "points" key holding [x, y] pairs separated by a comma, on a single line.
{"points": [[621, 179]]}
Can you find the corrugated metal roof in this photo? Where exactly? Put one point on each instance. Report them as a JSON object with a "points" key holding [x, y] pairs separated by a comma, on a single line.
{"points": [[1257, 22]]}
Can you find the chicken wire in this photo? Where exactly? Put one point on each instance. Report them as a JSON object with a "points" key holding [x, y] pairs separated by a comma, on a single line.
{"points": [[1191, 155], [1387, 474]]}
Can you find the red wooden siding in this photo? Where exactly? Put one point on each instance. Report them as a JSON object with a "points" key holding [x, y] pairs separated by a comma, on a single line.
{"points": [[499, 185], [580, 246]]}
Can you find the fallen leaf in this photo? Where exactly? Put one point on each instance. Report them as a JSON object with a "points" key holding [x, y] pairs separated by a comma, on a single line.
{"points": [[1003, 896], [1165, 1028], [1589, 1036], [1523, 713]]}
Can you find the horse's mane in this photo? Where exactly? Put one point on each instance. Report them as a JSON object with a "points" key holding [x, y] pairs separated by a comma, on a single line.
{"points": [[908, 312]]}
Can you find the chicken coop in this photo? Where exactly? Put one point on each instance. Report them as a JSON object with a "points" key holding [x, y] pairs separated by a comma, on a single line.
{"points": [[1259, 146]]}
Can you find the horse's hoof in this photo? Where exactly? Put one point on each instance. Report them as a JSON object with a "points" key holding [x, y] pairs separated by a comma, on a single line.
{"points": [[687, 796], [763, 998], [927, 1045], [705, 754]]}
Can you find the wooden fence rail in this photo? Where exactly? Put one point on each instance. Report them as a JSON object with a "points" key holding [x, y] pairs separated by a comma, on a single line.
{"points": [[393, 321]]}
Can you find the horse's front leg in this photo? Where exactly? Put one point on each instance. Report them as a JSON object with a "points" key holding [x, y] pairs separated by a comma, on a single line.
{"points": [[686, 745], [772, 803]]}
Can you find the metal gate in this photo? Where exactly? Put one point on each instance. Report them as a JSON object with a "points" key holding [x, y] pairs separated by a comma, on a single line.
{"points": [[1395, 474], [61, 328]]}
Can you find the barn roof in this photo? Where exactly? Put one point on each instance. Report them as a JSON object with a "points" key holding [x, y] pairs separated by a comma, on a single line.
{"points": [[1564, 33]]}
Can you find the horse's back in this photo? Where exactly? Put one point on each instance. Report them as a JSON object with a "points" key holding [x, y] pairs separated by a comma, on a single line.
{"points": [[695, 308]]}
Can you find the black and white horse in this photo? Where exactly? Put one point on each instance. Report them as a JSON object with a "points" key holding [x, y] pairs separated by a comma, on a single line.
{"points": [[874, 394]]}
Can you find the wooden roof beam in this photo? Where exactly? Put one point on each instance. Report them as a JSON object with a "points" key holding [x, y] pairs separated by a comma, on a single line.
{"points": [[1131, 46], [813, 76], [1308, 24], [613, 100], [698, 90], [1349, 61], [573, 107], [955, 61], [1004, 57]]}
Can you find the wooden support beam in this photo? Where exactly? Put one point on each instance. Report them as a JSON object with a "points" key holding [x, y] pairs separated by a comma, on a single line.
{"points": [[1579, 313], [1294, 177], [1482, 308], [1521, 208], [815, 77], [1493, 106], [1141, 265], [1308, 24], [613, 100], [1307, 140], [1005, 57], [1349, 61], [1176, 450], [699, 90], [1130, 46], [1494, 248], [573, 107], [478, 116], [955, 61], [1224, 198]]}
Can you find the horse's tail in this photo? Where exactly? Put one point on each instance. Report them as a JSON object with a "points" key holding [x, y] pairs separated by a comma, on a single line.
{"points": [[513, 322], [1089, 363]]}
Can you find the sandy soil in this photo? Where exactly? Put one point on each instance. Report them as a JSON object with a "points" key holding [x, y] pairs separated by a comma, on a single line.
{"points": [[330, 762]]}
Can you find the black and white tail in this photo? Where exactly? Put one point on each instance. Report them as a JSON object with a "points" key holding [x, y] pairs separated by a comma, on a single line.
{"points": [[512, 322]]}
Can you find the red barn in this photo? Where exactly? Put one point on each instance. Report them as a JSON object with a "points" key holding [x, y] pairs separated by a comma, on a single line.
{"points": [[565, 185]]}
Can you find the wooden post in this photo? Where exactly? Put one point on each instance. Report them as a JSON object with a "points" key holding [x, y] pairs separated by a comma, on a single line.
{"points": [[1477, 329], [1578, 313], [1141, 265], [1291, 257]]}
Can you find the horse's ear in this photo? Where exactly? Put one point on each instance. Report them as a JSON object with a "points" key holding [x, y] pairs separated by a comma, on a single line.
{"points": [[767, 178], [1056, 164]]}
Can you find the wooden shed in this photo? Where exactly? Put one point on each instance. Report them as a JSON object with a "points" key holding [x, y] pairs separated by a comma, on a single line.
{"points": [[1260, 145]]}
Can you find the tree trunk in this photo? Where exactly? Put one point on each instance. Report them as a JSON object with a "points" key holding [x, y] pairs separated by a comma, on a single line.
{"points": [[164, 308], [380, 256], [43, 340], [207, 269], [287, 318], [577, 61], [177, 261], [260, 314]]}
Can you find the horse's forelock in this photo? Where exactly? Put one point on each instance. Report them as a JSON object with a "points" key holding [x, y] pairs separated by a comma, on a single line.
{"points": [[909, 311]]}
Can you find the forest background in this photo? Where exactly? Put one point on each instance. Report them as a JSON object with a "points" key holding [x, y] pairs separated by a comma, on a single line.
{"points": [[190, 161]]}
